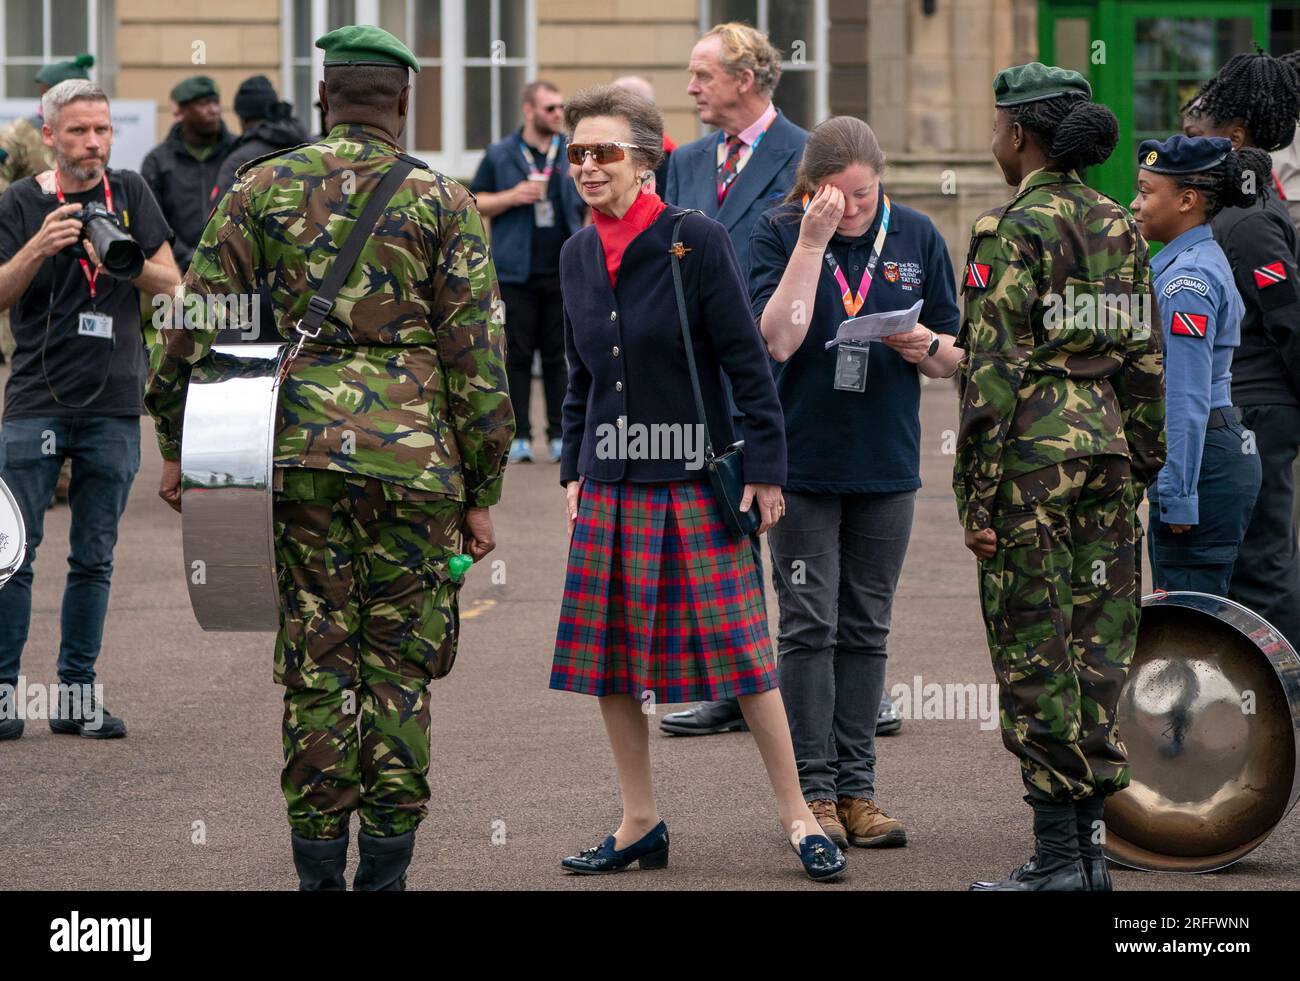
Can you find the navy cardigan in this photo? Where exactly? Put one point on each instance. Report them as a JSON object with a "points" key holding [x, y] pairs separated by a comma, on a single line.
{"points": [[626, 355]]}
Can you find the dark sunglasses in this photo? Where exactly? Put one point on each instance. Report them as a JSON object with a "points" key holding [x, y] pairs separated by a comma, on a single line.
{"points": [[602, 153], [553, 108]]}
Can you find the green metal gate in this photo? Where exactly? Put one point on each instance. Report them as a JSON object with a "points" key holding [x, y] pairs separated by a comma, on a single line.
{"points": [[1144, 59]]}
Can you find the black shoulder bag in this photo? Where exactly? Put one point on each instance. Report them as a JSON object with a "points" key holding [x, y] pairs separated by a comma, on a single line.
{"points": [[322, 301], [727, 471]]}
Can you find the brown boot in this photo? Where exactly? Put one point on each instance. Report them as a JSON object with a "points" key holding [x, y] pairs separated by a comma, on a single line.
{"points": [[868, 826], [825, 813]]}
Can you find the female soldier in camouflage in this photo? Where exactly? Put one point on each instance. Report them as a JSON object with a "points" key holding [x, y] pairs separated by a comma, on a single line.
{"points": [[1062, 418]]}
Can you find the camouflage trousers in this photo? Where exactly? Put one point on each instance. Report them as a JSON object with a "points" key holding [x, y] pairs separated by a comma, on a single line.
{"points": [[369, 611], [1061, 605]]}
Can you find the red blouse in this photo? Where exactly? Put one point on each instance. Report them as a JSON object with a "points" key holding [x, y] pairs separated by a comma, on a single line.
{"points": [[616, 234]]}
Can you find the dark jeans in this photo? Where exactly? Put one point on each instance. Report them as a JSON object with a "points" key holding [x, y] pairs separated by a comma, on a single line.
{"points": [[835, 563], [1266, 577], [105, 454], [1202, 557], [535, 322]]}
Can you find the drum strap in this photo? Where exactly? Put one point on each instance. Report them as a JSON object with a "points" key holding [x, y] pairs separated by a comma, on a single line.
{"points": [[322, 302]]}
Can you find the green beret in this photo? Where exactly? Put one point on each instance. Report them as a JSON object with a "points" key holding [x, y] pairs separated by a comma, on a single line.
{"points": [[363, 44], [1034, 82], [194, 87], [60, 71]]}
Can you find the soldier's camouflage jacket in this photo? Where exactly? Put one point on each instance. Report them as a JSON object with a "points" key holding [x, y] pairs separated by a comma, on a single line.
{"points": [[27, 153], [406, 382], [1062, 360]]}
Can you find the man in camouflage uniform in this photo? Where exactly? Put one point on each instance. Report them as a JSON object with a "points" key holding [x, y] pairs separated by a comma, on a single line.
{"points": [[393, 429], [1062, 426]]}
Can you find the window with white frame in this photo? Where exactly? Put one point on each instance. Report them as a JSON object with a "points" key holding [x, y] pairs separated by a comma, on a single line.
{"points": [[798, 29], [475, 58], [34, 33]]}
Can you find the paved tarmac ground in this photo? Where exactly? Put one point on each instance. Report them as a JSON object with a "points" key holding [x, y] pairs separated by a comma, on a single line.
{"points": [[521, 775]]}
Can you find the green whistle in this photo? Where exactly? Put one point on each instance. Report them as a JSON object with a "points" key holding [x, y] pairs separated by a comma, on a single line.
{"points": [[459, 565]]}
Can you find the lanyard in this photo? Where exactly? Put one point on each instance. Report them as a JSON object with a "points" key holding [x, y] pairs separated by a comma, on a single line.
{"points": [[853, 299], [550, 157], [91, 275], [730, 178]]}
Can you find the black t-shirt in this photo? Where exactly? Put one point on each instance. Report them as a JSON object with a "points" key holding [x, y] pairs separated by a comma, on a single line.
{"points": [[547, 242], [76, 365]]}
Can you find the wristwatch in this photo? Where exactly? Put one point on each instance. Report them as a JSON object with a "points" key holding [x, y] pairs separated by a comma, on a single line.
{"points": [[934, 344]]}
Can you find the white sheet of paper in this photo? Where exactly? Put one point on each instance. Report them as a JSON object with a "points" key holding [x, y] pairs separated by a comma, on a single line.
{"points": [[874, 326]]}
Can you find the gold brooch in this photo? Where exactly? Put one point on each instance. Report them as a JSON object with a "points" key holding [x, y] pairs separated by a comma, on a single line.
{"points": [[679, 250]]}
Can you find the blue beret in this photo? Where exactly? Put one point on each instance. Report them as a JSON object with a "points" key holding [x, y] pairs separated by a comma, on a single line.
{"points": [[1183, 154]]}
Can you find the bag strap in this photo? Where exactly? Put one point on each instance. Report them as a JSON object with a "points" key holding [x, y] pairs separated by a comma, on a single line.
{"points": [[322, 302], [686, 330]]}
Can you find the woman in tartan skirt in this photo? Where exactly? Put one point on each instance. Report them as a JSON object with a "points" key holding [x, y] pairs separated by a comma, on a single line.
{"points": [[662, 602]]}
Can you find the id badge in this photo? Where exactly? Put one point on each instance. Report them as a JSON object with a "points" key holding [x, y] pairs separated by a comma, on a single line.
{"points": [[544, 213], [95, 325], [851, 368]]}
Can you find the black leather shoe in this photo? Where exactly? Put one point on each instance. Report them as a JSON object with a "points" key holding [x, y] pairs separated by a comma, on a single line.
{"points": [[705, 719], [889, 721], [651, 852], [1056, 866], [89, 719], [1088, 824], [821, 858], [320, 863], [383, 862], [10, 729]]}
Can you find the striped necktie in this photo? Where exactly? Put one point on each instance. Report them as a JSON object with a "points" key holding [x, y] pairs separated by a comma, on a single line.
{"points": [[727, 172]]}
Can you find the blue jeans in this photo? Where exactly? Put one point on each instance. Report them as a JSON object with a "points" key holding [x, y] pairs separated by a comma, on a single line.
{"points": [[105, 455]]}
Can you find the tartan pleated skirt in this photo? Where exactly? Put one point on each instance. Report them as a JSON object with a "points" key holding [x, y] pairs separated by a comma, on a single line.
{"points": [[660, 598]]}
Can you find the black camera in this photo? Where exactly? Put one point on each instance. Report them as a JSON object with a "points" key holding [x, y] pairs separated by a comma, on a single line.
{"points": [[119, 254]]}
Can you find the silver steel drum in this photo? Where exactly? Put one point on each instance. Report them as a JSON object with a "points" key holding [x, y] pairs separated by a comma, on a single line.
{"points": [[227, 446], [1210, 716], [13, 536]]}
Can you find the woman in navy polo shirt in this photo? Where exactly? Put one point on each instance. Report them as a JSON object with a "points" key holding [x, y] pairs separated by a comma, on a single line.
{"points": [[838, 247], [662, 603]]}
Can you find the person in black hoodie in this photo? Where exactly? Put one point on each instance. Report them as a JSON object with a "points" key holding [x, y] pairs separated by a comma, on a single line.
{"points": [[267, 125], [1254, 101], [182, 170]]}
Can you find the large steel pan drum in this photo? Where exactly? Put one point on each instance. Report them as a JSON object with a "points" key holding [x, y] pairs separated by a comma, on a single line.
{"points": [[13, 536], [227, 447], [1211, 719]]}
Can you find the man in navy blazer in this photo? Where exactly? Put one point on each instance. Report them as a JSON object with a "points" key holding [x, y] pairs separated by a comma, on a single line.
{"points": [[748, 166], [523, 187], [733, 175]]}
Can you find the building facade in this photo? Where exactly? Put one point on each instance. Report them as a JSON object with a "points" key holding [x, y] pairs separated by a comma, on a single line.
{"points": [[920, 71]]}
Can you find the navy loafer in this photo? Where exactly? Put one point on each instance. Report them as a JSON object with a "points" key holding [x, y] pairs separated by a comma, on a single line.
{"points": [[822, 860], [651, 852]]}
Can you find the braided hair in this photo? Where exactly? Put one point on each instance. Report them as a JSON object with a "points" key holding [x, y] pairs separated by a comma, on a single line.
{"points": [[1072, 130], [1237, 181], [1260, 90]]}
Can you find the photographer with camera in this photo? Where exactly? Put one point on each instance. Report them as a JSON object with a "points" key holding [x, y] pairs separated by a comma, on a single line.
{"points": [[78, 245]]}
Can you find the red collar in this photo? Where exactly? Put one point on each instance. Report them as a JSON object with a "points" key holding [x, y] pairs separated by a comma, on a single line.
{"points": [[616, 234]]}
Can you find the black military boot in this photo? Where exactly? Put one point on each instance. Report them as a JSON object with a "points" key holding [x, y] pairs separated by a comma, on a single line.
{"points": [[383, 862], [320, 863], [1056, 866], [1087, 815]]}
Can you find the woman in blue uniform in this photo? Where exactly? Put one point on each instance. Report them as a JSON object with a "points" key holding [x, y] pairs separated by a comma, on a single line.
{"points": [[1254, 101], [1202, 500], [838, 248]]}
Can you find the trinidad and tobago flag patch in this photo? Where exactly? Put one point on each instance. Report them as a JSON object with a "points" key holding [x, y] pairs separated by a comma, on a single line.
{"points": [[977, 275], [1274, 272], [1189, 324]]}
